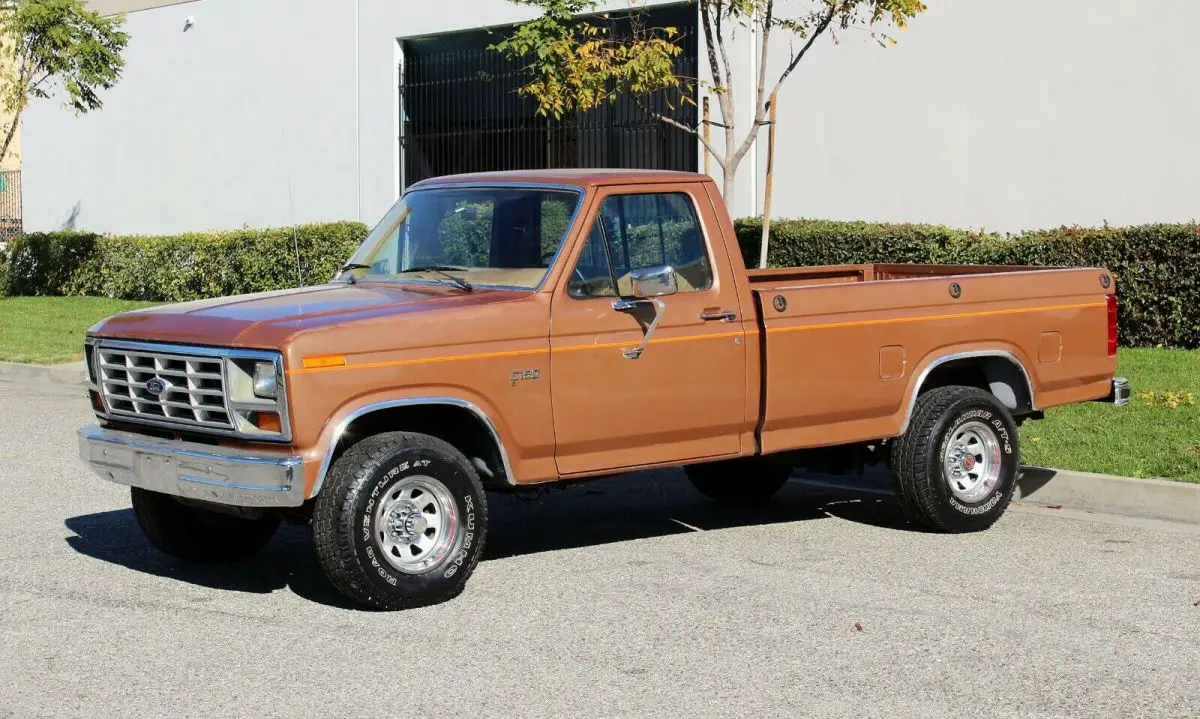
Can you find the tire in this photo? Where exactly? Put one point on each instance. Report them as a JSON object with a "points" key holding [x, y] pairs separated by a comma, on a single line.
{"points": [[375, 540], [199, 535], [956, 466], [739, 481]]}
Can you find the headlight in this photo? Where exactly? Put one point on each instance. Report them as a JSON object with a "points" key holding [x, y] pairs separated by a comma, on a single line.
{"points": [[266, 382], [257, 397]]}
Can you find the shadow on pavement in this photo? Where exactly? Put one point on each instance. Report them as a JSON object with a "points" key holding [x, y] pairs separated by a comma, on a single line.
{"points": [[617, 509], [288, 560]]}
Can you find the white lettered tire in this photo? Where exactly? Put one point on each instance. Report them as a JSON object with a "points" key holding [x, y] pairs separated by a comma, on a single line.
{"points": [[401, 522], [956, 466]]}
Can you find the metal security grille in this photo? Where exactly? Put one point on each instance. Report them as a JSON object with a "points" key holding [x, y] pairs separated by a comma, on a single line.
{"points": [[461, 111], [10, 204]]}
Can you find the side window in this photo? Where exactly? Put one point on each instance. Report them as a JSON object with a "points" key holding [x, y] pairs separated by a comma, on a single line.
{"points": [[644, 230]]}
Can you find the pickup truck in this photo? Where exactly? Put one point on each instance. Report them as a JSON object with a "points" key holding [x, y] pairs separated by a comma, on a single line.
{"points": [[501, 331]]}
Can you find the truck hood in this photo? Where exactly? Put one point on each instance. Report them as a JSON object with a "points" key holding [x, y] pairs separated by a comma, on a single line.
{"points": [[270, 319]]}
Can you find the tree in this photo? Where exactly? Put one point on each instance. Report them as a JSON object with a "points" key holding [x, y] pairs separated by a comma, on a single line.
{"points": [[575, 64], [50, 47]]}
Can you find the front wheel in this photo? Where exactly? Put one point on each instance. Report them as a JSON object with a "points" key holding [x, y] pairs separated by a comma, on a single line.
{"points": [[956, 466], [401, 522], [199, 535]]}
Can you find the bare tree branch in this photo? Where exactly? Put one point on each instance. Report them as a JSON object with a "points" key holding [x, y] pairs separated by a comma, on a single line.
{"points": [[817, 31], [762, 59], [9, 134], [728, 80], [686, 128], [759, 107]]}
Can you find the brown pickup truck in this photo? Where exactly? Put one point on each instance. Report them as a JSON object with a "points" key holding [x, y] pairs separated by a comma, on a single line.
{"points": [[501, 331]]}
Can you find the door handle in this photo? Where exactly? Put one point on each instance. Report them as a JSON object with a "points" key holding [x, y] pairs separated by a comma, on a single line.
{"points": [[723, 315]]}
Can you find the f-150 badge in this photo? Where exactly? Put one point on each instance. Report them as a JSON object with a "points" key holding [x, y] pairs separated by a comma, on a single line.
{"points": [[519, 375]]}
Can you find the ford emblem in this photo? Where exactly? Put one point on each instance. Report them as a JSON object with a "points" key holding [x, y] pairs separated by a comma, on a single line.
{"points": [[156, 387]]}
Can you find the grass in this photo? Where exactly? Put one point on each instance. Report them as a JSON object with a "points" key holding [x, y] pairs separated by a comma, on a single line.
{"points": [[1148, 438], [46, 330]]}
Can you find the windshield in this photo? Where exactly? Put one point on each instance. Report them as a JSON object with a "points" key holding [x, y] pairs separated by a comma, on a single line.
{"points": [[498, 236]]}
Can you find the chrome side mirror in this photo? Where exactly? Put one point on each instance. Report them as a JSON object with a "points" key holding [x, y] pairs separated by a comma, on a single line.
{"points": [[647, 285], [656, 281]]}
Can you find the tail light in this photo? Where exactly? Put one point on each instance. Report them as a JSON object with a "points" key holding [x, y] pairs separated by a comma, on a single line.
{"points": [[1112, 325]]}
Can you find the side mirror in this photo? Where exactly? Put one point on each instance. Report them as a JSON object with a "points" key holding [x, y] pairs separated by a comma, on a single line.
{"points": [[649, 282]]}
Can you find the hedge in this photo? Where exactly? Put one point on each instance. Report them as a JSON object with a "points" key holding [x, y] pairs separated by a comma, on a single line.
{"points": [[1157, 266], [177, 268]]}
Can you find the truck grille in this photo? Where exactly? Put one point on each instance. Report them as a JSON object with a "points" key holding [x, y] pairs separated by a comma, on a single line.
{"points": [[183, 389]]}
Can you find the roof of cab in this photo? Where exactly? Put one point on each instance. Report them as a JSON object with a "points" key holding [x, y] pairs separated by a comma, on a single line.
{"points": [[580, 177]]}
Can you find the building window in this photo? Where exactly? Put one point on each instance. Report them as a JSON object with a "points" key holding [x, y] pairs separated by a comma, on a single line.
{"points": [[461, 113]]}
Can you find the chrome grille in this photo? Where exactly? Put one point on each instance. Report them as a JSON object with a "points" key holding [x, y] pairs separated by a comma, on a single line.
{"points": [[193, 387]]}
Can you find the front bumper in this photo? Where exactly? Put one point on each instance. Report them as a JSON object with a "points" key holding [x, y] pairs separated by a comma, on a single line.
{"points": [[198, 471]]}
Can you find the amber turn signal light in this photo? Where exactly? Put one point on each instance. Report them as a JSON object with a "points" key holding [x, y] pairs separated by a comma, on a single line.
{"points": [[267, 422], [323, 361]]}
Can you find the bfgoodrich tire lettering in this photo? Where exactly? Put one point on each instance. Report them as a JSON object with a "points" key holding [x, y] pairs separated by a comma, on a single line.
{"points": [[380, 495], [956, 467]]}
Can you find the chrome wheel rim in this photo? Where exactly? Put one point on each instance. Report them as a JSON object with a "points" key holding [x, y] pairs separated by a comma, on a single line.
{"points": [[971, 461], [416, 524]]}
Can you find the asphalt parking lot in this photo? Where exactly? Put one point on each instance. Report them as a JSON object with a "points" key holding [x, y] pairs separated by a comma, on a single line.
{"points": [[629, 596]]}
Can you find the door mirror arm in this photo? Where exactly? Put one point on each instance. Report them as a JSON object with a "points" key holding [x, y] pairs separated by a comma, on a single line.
{"points": [[648, 284], [660, 309]]}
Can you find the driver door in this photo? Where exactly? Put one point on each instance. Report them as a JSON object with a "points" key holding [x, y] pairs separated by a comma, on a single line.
{"points": [[684, 396]]}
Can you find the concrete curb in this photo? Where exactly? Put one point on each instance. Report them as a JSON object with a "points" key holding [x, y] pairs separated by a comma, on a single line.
{"points": [[71, 373], [1150, 498]]}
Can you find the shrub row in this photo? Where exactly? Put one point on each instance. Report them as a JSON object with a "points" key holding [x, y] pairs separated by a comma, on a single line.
{"points": [[176, 268], [1157, 266]]}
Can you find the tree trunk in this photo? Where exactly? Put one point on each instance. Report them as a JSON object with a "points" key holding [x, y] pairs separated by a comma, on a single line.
{"points": [[727, 187], [8, 136]]}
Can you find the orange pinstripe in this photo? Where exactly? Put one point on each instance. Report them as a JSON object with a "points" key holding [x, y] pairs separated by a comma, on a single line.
{"points": [[690, 338]]}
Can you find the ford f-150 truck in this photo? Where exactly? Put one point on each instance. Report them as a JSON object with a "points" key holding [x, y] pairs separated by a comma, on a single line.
{"points": [[500, 331]]}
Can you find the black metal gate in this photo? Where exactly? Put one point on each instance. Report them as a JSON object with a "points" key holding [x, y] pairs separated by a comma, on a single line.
{"points": [[461, 113]]}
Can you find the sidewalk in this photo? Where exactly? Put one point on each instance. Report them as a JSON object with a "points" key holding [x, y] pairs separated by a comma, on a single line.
{"points": [[69, 373]]}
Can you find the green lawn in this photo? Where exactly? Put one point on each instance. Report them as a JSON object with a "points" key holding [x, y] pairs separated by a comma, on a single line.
{"points": [[1140, 440], [44, 330]]}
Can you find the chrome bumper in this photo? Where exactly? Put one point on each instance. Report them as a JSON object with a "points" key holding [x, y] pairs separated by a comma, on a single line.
{"points": [[1119, 394], [196, 471]]}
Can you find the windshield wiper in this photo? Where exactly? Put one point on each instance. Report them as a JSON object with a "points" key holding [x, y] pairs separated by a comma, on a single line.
{"points": [[441, 270], [352, 266]]}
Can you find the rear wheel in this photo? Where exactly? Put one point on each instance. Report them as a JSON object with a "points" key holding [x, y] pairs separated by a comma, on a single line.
{"points": [[956, 466], [401, 522], [739, 481], [199, 535]]}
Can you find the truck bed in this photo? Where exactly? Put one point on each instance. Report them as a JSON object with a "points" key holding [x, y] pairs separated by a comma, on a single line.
{"points": [[844, 348], [780, 278]]}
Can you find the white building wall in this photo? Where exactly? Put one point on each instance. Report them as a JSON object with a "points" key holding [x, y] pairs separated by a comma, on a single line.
{"points": [[1009, 115], [206, 125], [988, 113]]}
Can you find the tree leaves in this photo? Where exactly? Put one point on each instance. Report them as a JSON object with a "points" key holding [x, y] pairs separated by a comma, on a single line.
{"points": [[576, 64], [56, 45]]}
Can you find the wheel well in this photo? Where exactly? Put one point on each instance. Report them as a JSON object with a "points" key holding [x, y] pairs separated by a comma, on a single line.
{"points": [[459, 426], [999, 375]]}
